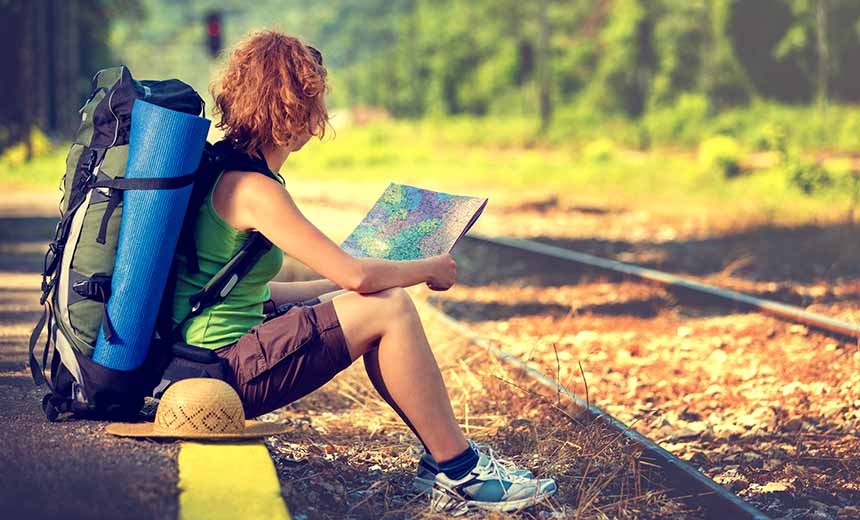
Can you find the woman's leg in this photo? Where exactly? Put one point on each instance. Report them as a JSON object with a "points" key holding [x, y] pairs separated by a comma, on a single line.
{"points": [[386, 326], [374, 373]]}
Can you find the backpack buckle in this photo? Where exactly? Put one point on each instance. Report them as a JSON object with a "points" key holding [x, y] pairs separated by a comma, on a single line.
{"points": [[94, 158], [97, 287], [46, 289], [78, 394], [52, 257]]}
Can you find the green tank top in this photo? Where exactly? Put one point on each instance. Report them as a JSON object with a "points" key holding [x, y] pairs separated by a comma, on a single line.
{"points": [[223, 323]]}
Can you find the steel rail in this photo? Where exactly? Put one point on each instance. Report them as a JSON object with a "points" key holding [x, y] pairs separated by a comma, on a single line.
{"points": [[717, 501], [780, 310]]}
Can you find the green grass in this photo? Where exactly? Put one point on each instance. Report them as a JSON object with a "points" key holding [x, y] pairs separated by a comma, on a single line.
{"points": [[42, 172], [501, 157], [466, 157]]}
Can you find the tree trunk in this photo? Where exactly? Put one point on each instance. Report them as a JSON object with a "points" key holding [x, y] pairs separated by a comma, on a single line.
{"points": [[545, 94], [822, 29]]}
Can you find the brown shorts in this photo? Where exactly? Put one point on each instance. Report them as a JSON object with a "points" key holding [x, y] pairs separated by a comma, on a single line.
{"points": [[286, 357]]}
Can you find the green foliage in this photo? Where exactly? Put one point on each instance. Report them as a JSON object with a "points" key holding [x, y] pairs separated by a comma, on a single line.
{"points": [[44, 170], [771, 136], [621, 74], [600, 151], [808, 176], [15, 156], [722, 154], [448, 57], [678, 41], [682, 122], [621, 79], [484, 155], [795, 56], [495, 156]]}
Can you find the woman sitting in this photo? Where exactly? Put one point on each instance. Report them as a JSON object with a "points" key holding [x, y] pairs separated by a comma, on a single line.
{"points": [[271, 101]]}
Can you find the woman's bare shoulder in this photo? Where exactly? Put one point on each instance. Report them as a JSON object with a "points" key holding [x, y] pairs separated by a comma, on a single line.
{"points": [[238, 193]]}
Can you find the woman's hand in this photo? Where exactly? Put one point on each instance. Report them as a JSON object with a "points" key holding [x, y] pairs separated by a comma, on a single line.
{"points": [[443, 272]]}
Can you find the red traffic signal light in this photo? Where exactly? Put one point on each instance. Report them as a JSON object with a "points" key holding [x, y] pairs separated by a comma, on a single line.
{"points": [[213, 27], [213, 32]]}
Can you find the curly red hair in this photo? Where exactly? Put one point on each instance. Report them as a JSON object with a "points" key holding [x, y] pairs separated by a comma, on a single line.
{"points": [[270, 89]]}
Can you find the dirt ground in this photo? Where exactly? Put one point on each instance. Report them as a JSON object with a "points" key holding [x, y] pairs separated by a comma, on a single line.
{"points": [[348, 455], [351, 457], [769, 409]]}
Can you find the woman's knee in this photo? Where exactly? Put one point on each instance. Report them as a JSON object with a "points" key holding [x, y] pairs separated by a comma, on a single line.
{"points": [[398, 302], [368, 316]]}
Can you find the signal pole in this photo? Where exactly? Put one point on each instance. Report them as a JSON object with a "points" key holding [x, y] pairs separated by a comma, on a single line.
{"points": [[213, 32]]}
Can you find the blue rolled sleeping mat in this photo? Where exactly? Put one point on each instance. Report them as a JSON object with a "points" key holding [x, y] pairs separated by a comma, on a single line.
{"points": [[163, 144]]}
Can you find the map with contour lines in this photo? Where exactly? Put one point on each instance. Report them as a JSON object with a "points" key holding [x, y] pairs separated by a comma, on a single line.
{"points": [[408, 223]]}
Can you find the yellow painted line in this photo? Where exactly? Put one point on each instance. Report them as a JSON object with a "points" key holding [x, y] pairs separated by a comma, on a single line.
{"points": [[235, 481]]}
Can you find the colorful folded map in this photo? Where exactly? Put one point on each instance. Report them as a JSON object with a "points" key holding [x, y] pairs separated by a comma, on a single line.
{"points": [[408, 223]]}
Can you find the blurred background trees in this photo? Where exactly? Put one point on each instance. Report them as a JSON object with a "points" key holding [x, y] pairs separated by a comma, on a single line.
{"points": [[51, 50], [647, 72], [665, 100], [447, 57], [453, 56]]}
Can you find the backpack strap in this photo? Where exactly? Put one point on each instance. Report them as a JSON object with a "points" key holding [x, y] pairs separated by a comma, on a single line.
{"points": [[206, 174], [220, 157], [120, 184], [169, 183], [36, 370], [225, 280], [217, 158], [39, 370]]}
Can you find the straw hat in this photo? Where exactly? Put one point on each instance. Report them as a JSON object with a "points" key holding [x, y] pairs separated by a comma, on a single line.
{"points": [[199, 408]]}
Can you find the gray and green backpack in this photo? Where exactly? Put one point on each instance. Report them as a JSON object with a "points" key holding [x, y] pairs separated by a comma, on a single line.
{"points": [[76, 275]]}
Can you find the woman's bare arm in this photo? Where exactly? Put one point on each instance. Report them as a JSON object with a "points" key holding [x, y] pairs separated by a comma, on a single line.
{"points": [[253, 201]]}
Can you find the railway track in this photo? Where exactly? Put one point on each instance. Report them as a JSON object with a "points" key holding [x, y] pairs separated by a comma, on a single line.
{"points": [[713, 497], [672, 282]]}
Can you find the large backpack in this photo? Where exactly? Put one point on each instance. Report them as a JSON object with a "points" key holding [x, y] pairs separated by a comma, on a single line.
{"points": [[77, 269]]}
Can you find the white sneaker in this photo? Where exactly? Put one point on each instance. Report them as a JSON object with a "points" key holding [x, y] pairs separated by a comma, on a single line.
{"points": [[490, 486], [425, 473]]}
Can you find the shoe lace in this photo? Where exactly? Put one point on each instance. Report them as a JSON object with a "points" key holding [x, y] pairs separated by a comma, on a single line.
{"points": [[500, 469]]}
